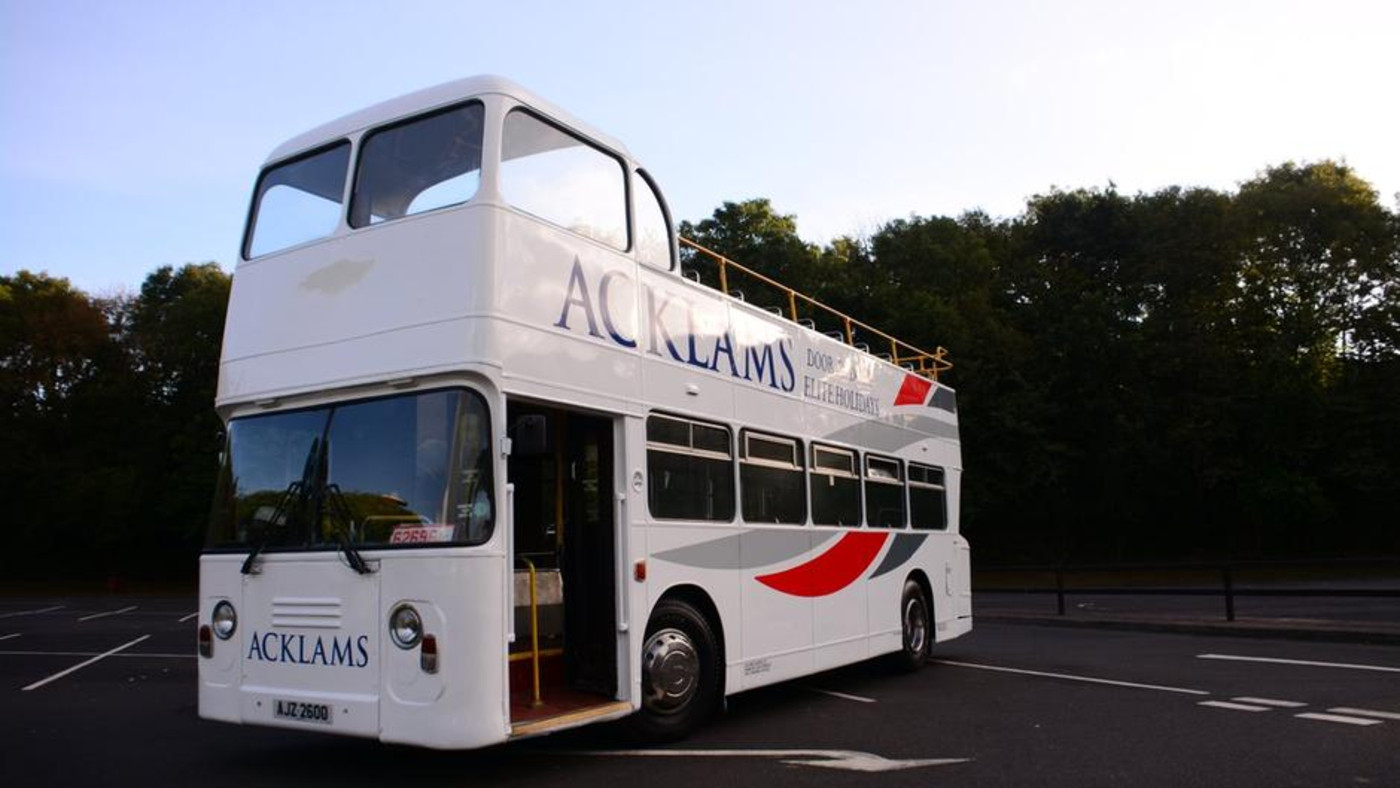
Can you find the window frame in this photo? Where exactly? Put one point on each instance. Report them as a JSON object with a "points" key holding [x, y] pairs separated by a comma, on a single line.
{"points": [[622, 164], [852, 474], [900, 480], [691, 451], [942, 490], [250, 224], [794, 465], [671, 251], [348, 206]]}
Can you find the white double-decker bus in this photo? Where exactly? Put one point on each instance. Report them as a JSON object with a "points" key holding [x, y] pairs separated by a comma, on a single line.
{"points": [[497, 467]]}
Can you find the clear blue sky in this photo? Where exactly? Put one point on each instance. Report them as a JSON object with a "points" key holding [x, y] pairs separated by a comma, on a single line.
{"points": [[131, 132]]}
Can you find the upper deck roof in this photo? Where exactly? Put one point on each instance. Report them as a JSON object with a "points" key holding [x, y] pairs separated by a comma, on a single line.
{"points": [[432, 98]]}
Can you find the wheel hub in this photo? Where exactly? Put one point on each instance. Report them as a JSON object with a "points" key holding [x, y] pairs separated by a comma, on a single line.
{"points": [[915, 626], [670, 670]]}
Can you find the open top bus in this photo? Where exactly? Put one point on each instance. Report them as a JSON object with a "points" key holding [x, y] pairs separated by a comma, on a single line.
{"points": [[496, 467]]}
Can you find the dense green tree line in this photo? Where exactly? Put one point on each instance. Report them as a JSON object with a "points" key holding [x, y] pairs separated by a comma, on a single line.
{"points": [[1183, 374], [108, 437]]}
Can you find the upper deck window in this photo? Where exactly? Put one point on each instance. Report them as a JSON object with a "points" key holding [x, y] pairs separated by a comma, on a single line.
{"points": [[653, 228], [562, 179], [298, 201], [428, 162]]}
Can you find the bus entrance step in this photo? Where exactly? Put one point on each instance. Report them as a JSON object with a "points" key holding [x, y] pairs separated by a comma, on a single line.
{"points": [[570, 719]]}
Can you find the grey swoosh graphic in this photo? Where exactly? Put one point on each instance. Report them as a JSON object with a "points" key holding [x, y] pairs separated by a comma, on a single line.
{"points": [[899, 552], [886, 437], [747, 550]]}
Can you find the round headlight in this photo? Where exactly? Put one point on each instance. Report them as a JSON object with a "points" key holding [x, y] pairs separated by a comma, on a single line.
{"points": [[225, 620], [405, 626]]}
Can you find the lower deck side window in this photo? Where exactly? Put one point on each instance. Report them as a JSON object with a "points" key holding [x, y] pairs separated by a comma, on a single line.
{"points": [[690, 468]]}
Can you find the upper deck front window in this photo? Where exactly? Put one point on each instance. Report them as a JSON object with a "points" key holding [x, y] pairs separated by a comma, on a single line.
{"points": [[562, 179], [298, 201], [425, 163]]}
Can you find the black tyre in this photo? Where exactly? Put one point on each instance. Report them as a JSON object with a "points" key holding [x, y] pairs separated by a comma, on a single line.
{"points": [[681, 672], [914, 621]]}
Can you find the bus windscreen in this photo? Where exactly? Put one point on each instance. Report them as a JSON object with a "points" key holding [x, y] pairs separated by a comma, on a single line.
{"points": [[404, 470]]}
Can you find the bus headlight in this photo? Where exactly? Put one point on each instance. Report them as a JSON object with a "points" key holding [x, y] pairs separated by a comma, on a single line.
{"points": [[225, 620], [405, 626]]}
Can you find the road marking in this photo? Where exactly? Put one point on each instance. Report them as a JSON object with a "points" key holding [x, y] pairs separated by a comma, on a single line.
{"points": [[108, 613], [187, 618], [31, 612], [1337, 718], [1385, 715], [1282, 704], [81, 665], [1224, 704], [1307, 662], [841, 695], [133, 654], [1068, 677], [10, 636], [828, 759]]}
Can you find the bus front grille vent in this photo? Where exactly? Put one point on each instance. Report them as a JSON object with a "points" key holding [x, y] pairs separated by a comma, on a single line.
{"points": [[306, 612]]}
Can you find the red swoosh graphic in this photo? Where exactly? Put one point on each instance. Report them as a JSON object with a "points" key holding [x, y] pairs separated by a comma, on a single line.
{"points": [[913, 392], [831, 571]]}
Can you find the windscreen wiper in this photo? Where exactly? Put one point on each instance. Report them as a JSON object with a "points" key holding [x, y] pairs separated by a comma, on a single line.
{"points": [[345, 531], [293, 492]]}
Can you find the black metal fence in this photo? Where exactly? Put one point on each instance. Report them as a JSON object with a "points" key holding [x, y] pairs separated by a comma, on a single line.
{"points": [[1227, 577]]}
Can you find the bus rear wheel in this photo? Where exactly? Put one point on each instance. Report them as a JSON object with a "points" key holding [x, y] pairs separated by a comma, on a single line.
{"points": [[680, 672], [914, 622]]}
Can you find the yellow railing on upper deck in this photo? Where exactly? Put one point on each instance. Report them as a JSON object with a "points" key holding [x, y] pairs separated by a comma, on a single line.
{"points": [[917, 360]]}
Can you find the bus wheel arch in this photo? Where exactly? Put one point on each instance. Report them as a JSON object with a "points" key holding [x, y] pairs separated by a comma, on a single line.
{"points": [[684, 644]]}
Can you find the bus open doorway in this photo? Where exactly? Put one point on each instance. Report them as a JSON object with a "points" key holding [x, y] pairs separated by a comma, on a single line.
{"points": [[561, 465]]}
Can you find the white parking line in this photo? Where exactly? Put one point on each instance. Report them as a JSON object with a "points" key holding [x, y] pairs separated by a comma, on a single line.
{"points": [[10, 636], [1069, 677], [849, 760], [31, 612], [81, 665], [1337, 718], [108, 613], [1281, 704], [1385, 715], [1306, 662], [187, 618], [841, 695], [1224, 704]]}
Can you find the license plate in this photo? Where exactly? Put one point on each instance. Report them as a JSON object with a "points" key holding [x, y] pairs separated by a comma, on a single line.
{"points": [[302, 712]]}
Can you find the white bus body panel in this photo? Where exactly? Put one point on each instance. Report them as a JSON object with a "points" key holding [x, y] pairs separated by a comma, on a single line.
{"points": [[312, 630]]}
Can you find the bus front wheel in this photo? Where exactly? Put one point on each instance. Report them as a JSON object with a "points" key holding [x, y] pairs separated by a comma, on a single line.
{"points": [[680, 672], [914, 622]]}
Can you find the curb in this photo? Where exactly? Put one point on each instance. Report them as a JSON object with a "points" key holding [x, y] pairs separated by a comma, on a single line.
{"points": [[1223, 628]]}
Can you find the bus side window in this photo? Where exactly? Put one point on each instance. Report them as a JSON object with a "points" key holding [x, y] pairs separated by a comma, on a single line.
{"points": [[835, 486], [653, 227], [928, 498], [771, 479], [884, 492], [690, 466], [560, 178]]}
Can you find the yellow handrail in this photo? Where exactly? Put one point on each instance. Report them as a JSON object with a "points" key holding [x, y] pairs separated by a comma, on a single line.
{"points": [[535, 699], [921, 362]]}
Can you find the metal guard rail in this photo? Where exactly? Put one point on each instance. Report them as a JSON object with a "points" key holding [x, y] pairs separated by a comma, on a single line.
{"points": [[1227, 573], [919, 361]]}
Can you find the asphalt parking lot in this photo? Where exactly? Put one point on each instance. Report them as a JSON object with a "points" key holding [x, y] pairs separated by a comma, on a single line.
{"points": [[101, 691]]}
